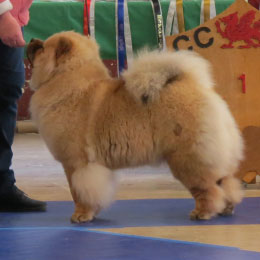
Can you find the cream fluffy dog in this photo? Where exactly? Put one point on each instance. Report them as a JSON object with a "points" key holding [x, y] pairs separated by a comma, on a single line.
{"points": [[163, 108]]}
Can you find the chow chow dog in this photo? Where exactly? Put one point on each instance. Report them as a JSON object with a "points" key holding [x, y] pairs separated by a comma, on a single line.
{"points": [[163, 108]]}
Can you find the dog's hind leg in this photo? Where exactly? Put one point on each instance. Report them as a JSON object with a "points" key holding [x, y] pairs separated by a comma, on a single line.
{"points": [[209, 197], [233, 193], [92, 188], [209, 202]]}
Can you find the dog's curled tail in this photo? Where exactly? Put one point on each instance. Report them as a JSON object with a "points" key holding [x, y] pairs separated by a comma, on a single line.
{"points": [[152, 71]]}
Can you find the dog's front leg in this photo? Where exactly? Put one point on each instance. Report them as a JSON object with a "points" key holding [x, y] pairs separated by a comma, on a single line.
{"points": [[92, 188], [83, 213]]}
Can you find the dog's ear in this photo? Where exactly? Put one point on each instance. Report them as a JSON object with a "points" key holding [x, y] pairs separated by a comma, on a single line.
{"points": [[32, 48], [64, 46]]}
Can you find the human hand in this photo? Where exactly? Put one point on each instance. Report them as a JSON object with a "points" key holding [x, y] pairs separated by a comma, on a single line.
{"points": [[10, 31]]}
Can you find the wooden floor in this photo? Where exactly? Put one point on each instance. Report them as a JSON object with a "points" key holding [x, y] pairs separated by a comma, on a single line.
{"points": [[42, 178]]}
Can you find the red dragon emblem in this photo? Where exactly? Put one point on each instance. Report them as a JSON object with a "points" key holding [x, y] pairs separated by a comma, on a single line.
{"points": [[240, 30]]}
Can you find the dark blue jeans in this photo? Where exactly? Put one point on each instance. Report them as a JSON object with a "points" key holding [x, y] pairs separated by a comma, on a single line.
{"points": [[12, 77]]}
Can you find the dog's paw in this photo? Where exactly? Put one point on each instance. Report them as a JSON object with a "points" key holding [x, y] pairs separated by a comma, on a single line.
{"points": [[228, 211], [199, 215], [81, 217]]}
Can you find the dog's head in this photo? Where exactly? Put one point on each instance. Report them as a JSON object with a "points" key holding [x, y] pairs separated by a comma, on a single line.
{"points": [[61, 52]]}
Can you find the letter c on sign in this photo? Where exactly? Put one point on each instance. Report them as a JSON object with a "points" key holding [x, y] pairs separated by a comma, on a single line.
{"points": [[177, 39], [197, 40]]}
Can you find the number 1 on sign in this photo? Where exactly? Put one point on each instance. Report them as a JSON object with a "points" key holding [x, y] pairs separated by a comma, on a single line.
{"points": [[243, 78]]}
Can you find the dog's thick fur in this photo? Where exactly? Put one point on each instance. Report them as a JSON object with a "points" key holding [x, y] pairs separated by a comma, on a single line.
{"points": [[163, 108]]}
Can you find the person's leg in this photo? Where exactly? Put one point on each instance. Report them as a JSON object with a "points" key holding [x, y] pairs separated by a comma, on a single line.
{"points": [[11, 80]]}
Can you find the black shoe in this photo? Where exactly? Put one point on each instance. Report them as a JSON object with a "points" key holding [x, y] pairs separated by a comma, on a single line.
{"points": [[14, 200]]}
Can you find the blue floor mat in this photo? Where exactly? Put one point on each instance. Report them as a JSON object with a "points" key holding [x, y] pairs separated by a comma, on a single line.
{"points": [[133, 213], [73, 244]]}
